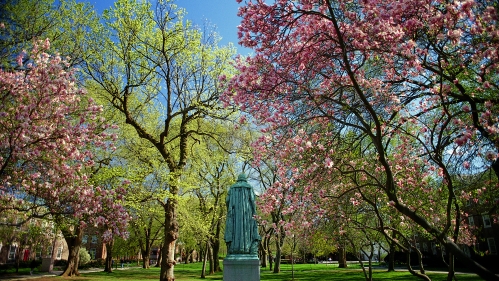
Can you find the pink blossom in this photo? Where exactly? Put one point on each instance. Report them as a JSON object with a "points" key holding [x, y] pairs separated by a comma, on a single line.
{"points": [[41, 129], [328, 163]]}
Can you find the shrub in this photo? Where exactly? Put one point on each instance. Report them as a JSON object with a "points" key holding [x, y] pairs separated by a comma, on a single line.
{"points": [[84, 256], [98, 263]]}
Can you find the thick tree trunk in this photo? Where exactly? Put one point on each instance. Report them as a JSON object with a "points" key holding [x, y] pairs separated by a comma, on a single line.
{"points": [[108, 267], [171, 235], [74, 242], [216, 253], [145, 259], [342, 257]]}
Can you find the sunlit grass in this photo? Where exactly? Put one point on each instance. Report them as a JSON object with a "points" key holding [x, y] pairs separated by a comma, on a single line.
{"points": [[301, 272]]}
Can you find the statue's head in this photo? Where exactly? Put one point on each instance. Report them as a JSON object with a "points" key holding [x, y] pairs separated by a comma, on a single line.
{"points": [[242, 177]]}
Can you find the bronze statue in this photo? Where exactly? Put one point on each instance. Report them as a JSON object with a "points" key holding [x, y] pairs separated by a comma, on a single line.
{"points": [[241, 230]]}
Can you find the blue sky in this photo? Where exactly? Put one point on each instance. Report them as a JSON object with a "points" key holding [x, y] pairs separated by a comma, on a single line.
{"points": [[221, 13]]}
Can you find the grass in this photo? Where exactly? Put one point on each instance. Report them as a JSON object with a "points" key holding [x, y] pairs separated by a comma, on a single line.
{"points": [[302, 272]]}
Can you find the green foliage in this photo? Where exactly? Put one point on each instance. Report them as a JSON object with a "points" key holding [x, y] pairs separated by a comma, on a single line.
{"points": [[69, 25], [84, 256]]}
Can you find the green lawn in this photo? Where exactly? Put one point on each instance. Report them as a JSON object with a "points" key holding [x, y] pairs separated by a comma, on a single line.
{"points": [[302, 272]]}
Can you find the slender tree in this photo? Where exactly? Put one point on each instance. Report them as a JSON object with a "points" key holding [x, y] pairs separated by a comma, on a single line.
{"points": [[152, 63]]}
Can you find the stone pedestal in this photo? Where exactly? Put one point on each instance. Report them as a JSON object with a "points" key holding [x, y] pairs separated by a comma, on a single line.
{"points": [[45, 265], [241, 268]]}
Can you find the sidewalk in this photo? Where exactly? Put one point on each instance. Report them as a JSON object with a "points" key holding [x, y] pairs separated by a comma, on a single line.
{"points": [[47, 274]]}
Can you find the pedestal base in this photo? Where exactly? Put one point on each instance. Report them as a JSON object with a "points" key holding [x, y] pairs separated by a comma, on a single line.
{"points": [[241, 268]]}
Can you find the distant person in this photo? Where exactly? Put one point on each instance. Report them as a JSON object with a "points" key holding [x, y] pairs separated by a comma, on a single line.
{"points": [[32, 265]]}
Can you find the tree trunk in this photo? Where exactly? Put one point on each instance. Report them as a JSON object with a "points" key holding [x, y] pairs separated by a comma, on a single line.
{"points": [[145, 259], [263, 252], [420, 261], [452, 271], [495, 167], [146, 243], [53, 256], [391, 257], [412, 271], [278, 253], [367, 274], [370, 278], [74, 243], [108, 267], [171, 235], [17, 257], [160, 254], [271, 262], [188, 257], [342, 257], [216, 248], [205, 257], [210, 256], [452, 247]]}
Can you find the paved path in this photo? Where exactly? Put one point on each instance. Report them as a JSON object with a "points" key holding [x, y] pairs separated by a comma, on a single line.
{"points": [[47, 274]]}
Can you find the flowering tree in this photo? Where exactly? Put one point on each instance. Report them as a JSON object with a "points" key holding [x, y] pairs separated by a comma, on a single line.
{"points": [[49, 131], [411, 85]]}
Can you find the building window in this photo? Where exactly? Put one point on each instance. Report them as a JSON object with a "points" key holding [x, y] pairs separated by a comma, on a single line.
{"points": [[418, 246], [425, 247], [92, 253], [471, 221], [84, 240], [492, 246], [434, 248], [12, 251], [94, 239], [49, 251], [486, 221], [38, 254], [59, 253], [466, 250]]}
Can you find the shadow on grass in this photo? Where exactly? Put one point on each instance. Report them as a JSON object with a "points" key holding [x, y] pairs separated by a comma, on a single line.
{"points": [[192, 272]]}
